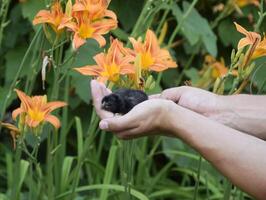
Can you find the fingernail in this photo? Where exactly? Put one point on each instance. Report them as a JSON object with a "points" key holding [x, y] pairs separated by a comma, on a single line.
{"points": [[103, 125]]}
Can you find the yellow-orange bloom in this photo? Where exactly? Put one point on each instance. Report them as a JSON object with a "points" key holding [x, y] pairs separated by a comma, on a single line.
{"points": [[54, 17], [36, 110], [110, 65], [242, 3], [152, 56], [95, 8], [218, 68], [84, 28], [252, 38], [260, 50]]}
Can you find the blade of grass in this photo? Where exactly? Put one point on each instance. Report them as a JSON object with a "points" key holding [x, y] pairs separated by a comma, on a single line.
{"points": [[109, 171], [119, 188]]}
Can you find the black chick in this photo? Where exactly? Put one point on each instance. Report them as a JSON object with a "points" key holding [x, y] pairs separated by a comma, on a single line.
{"points": [[123, 100]]}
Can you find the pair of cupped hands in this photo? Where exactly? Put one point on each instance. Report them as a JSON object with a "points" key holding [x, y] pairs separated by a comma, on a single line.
{"points": [[152, 116]]}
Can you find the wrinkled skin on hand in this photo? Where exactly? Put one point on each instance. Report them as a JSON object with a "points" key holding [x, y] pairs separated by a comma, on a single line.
{"points": [[195, 99], [147, 118]]}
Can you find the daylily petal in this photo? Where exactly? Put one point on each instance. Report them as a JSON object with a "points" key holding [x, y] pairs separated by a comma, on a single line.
{"points": [[111, 14], [25, 100], [136, 45], [89, 70], [252, 38], [31, 123], [78, 41], [152, 44], [41, 17], [53, 120], [158, 67], [242, 43], [78, 7], [241, 29], [17, 112], [99, 59], [49, 107], [100, 39]]}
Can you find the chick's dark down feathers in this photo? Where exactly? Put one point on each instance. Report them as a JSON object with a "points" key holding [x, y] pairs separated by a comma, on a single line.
{"points": [[123, 100]]}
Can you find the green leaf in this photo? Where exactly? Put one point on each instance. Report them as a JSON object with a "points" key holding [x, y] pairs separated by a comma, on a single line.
{"points": [[86, 53], [119, 188], [109, 170], [258, 76], [195, 28], [31, 7], [127, 11], [84, 57], [24, 165], [81, 84], [227, 33], [13, 59], [192, 74], [17, 28], [3, 94], [65, 173]]}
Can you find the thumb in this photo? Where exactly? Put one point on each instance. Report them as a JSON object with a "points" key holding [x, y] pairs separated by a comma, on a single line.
{"points": [[117, 123]]}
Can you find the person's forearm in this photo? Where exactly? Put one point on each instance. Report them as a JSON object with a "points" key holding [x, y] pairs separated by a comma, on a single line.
{"points": [[246, 113], [238, 156]]}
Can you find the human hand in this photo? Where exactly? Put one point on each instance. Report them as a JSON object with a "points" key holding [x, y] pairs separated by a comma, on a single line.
{"points": [[147, 118], [195, 99]]}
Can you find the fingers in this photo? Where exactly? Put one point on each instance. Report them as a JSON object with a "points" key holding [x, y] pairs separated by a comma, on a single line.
{"points": [[174, 94], [155, 96], [98, 91], [118, 123]]}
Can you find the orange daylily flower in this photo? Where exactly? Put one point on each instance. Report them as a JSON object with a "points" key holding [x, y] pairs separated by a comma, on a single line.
{"points": [[84, 28], [152, 56], [95, 8], [54, 17], [110, 65], [252, 38], [242, 3], [218, 67], [36, 110], [260, 50]]}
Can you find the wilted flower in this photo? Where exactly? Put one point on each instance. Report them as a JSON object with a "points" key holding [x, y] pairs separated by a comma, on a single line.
{"points": [[14, 131], [36, 110], [252, 38], [110, 65], [152, 56], [54, 17]]}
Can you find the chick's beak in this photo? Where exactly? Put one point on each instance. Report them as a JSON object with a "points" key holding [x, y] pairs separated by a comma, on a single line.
{"points": [[103, 105]]}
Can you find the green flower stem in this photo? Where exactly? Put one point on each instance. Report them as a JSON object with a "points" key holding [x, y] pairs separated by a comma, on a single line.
{"points": [[34, 63], [16, 170], [162, 21], [198, 179], [262, 14], [85, 152], [140, 20], [178, 27], [188, 64], [3, 14]]}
